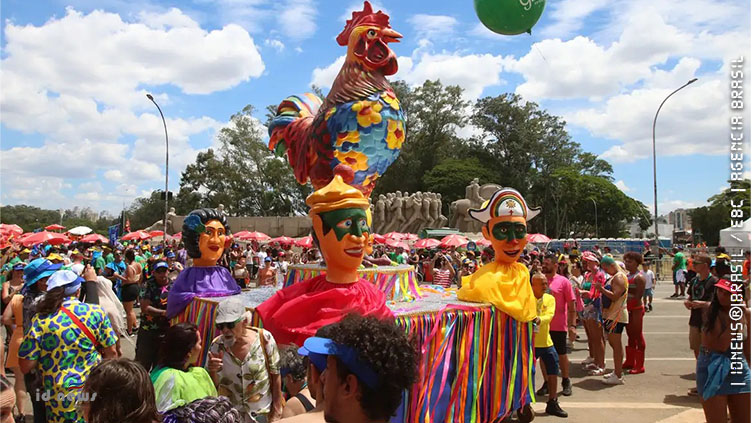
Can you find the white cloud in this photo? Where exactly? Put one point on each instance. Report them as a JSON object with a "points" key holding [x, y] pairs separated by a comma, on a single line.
{"points": [[450, 68], [568, 16], [584, 68], [622, 186], [623, 81], [113, 175], [433, 26], [324, 77], [297, 19], [358, 6], [275, 44], [691, 122], [78, 82]]}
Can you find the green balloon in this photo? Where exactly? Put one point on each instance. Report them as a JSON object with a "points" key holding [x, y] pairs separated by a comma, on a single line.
{"points": [[509, 17]]}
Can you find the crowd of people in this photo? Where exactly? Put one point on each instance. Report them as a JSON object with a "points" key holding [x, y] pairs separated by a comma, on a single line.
{"points": [[67, 310]]}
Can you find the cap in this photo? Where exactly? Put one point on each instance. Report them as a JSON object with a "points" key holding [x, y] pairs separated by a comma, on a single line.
{"points": [[347, 355], [161, 265], [38, 269], [19, 266], [170, 254], [608, 260], [77, 268], [230, 310], [65, 278], [725, 285], [336, 195], [318, 360], [590, 256], [267, 259], [54, 256], [504, 202]]}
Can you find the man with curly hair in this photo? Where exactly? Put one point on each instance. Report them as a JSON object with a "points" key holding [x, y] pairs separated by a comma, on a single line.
{"points": [[369, 363]]}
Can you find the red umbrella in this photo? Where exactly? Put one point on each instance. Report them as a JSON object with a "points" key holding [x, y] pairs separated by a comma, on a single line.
{"points": [[395, 236], [397, 244], [286, 240], [453, 241], [156, 233], [10, 229], [178, 235], [136, 235], [92, 238], [44, 236], [305, 242], [409, 237], [54, 227], [253, 236], [483, 243], [379, 239], [537, 238], [427, 243]]}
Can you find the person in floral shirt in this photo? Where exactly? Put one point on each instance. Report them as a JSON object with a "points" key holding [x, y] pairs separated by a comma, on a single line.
{"points": [[244, 364], [63, 342]]}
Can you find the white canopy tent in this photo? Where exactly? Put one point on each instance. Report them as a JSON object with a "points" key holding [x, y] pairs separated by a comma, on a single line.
{"points": [[734, 239]]}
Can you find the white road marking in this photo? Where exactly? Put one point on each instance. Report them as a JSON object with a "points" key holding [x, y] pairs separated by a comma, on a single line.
{"points": [[541, 405]]}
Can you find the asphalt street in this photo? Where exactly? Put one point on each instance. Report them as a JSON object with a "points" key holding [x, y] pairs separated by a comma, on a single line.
{"points": [[658, 395]]}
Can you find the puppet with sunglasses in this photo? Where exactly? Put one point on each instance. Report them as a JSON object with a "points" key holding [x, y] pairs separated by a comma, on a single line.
{"points": [[341, 221]]}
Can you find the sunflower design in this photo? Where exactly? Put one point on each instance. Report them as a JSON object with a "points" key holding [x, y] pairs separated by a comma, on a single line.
{"points": [[391, 100], [368, 113], [353, 137], [395, 134], [355, 159]]}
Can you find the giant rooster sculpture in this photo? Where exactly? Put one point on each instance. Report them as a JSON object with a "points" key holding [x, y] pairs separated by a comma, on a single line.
{"points": [[360, 123]]}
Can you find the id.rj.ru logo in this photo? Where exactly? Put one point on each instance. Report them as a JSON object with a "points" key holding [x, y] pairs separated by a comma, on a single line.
{"points": [[74, 395]]}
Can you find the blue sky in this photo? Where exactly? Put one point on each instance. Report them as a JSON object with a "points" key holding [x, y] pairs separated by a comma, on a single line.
{"points": [[77, 129]]}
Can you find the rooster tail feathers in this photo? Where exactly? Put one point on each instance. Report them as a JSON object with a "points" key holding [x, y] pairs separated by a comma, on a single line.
{"points": [[296, 108]]}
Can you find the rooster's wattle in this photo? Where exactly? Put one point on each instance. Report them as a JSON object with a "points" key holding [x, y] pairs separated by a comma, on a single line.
{"points": [[360, 123]]}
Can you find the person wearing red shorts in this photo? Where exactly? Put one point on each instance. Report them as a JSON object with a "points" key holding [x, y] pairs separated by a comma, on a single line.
{"points": [[634, 362]]}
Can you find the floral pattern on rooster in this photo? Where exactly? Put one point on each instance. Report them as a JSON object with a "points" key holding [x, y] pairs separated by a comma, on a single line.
{"points": [[370, 134]]}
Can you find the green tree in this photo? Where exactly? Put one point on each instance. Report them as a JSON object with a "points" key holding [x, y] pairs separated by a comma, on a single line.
{"points": [[709, 220], [434, 114], [450, 178], [243, 174]]}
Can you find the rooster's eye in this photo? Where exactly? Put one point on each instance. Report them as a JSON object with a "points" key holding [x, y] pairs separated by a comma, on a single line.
{"points": [[371, 33]]}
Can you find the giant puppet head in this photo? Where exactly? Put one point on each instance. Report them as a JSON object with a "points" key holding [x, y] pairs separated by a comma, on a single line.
{"points": [[366, 36], [341, 226], [206, 235], [504, 219]]}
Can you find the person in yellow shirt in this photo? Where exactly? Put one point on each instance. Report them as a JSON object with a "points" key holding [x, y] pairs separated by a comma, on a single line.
{"points": [[544, 346]]}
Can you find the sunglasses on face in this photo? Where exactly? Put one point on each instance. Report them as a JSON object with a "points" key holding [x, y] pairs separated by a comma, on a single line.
{"points": [[229, 325]]}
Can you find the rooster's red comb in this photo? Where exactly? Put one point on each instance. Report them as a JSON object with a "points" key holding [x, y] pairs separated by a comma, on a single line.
{"points": [[366, 17]]}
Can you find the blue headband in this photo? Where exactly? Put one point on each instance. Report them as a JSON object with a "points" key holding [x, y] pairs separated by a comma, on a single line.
{"points": [[348, 356]]}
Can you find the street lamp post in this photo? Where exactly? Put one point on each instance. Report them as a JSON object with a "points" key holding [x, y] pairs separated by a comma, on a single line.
{"points": [[655, 178], [166, 173], [596, 216]]}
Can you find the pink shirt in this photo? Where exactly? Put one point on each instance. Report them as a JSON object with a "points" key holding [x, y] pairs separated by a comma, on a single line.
{"points": [[561, 289]]}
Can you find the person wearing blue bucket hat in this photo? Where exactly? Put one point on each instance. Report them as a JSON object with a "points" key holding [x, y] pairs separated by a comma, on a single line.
{"points": [[66, 339], [36, 274]]}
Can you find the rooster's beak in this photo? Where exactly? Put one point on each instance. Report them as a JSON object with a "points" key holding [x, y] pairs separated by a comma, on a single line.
{"points": [[388, 35]]}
